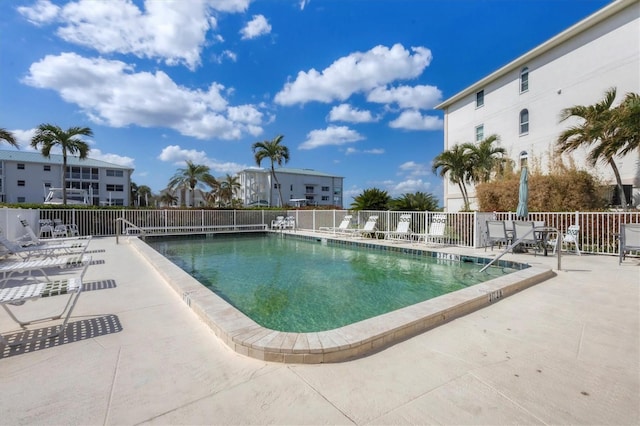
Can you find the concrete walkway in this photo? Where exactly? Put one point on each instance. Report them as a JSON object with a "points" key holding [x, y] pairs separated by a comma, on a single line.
{"points": [[566, 351]]}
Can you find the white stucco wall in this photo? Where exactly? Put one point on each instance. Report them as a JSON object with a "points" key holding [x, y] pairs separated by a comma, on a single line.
{"points": [[577, 71]]}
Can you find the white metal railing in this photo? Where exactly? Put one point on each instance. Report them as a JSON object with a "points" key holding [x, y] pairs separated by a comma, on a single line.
{"points": [[598, 230]]}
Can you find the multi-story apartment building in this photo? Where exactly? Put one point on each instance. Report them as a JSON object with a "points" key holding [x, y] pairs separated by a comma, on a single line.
{"points": [[298, 187], [26, 177], [522, 101]]}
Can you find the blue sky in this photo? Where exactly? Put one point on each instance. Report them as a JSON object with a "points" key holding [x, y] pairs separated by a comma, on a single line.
{"points": [[351, 84]]}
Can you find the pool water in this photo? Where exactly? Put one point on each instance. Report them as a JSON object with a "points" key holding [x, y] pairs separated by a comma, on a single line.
{"points": [[295, 285]]}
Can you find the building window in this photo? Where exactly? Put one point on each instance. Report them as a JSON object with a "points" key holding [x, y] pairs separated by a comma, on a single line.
{"points": [[291, 188], [21, 199], [479, 99], [325, 198], [20, 183], [20, 166], [46, 168], [325, 189], [276, 185], [479, 133], [115, 173], [524, 79], [524, 122], [114, 188], [309, 190]]}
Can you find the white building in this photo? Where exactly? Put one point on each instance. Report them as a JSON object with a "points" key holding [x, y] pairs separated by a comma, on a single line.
{"points": [[318, 189], [521, 102], [25, 177]]}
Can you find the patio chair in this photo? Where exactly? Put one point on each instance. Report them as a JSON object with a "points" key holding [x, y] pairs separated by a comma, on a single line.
{"points": [[289, 222], [629, 239], [9, 268], [32, 288], [525, 233], [497, 233], [61, 230], [44, 250], [403, 230], [368, 230], [436, 229], [343, 227], [34, 239], [277, 222], [572, 236]]}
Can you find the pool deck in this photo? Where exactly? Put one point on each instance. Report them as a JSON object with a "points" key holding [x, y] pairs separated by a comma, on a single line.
{"points": [[564, 351]]}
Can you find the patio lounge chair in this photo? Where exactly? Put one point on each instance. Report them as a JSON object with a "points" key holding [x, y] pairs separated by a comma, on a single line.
{"points": [[277, 222], [629, 239], [32, 288], [8, 268], [343, 227], [368, 230], [46, 250], [289, 222], [572, 236], [403, 230], [34, 239], [497, 233], [436, 229]]}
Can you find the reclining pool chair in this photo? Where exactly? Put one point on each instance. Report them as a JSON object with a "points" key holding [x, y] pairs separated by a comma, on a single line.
{"points": [[343, 227], [403, 230], [572, 236], [368, 230], [55, 248], [277, 222], [437, 227], [37, 288], [629, 239], [34, 239]]}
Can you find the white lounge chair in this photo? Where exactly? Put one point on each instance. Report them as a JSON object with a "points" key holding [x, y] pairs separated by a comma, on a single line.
{"points": [[9, 268], [45, 250], [289, 222], [343, 227], [403, 230], [629, 239], [368, 230], [36, 288], [437, 227], [34, 239], [277, 222], [571, 237]]}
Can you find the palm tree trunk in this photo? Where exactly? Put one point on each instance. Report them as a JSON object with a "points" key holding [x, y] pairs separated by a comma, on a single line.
{"points": [[616, 172], [273, 173], [64, 177], [465, 197]]}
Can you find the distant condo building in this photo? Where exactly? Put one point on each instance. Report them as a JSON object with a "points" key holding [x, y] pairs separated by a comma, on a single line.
{"points": [[27, 177], [299, 187], [522, 101]]}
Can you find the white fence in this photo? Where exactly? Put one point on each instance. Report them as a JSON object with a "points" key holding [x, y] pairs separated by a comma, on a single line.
{"points": [[598, 230]]}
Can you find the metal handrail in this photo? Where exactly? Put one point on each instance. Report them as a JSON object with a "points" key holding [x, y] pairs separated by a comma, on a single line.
{"points": [[519, 240], [120, 221]]}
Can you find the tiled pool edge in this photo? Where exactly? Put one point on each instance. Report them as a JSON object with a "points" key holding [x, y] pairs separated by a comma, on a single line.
{"points": [[352, 341]]}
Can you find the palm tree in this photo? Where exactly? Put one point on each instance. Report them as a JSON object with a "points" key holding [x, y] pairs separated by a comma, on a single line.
{"points": [[275, 152], [228, 188], [485, 158], [628, 123], [8, 137], [418, 201], [168, 198], [371, 199], [191, 177], [48, 136], [599, 128], [455, 162]]}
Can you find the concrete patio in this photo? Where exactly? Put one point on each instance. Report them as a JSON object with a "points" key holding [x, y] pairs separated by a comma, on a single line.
{"points": [[565, 351]]}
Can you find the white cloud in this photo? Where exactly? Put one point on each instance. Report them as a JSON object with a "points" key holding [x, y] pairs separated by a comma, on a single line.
{"points": [[303, 3], [23, 137], [344, 112], [176, 155], [413, 120], [97, 154], [357, 72], [417, 97], [256, 27], [408, 186], [41, 13], [112, 93], [332, 135], [172, 31], [375, 151], [226, 54], [414, 169]]}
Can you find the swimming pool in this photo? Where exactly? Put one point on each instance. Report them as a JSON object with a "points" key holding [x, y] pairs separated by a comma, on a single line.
{"points": [[246, 337], [298, 285]]}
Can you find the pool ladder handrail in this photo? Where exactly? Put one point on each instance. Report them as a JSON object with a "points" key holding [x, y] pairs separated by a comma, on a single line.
{"points": [[519, 240], [122, 221]]}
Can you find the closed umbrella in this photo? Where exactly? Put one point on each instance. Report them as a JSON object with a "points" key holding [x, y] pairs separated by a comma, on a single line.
{"points": [[523, 210]]}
